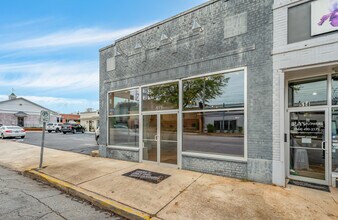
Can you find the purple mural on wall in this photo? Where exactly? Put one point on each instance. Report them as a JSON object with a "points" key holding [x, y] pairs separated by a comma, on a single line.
{"points": [[332, 16], [324, 16]]}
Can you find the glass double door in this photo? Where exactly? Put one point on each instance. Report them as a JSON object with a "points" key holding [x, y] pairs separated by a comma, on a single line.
{"points": [[308, 145], [160, 138]]}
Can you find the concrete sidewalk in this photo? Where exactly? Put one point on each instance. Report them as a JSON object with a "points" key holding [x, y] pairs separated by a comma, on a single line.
{"points": [[184, 195]]}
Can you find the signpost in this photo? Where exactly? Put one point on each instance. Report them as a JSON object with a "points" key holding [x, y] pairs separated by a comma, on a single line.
{"points": [[44, 117]]}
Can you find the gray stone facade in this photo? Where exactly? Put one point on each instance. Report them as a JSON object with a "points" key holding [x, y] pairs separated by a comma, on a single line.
{"points": [[217, 167], [119, 154], [218, 35]]}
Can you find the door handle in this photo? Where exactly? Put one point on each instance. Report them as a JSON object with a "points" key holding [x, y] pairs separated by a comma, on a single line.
{"points": [[155, 137], [323, 145]]}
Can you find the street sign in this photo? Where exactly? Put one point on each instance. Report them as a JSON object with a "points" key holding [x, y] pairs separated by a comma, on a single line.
{"points": [[44, 116]]}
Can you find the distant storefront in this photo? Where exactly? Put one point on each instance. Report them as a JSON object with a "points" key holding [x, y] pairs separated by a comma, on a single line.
{"points": [[65, 118], [89, 120], [193, 92]]}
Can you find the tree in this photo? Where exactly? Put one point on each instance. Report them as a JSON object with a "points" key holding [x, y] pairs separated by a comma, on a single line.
{"points": [[202, 90], [195, 91]]}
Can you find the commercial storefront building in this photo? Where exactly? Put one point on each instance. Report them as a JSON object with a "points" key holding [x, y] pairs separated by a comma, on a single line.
{"points": [[193, 92], [89, 120], [305, 79]]}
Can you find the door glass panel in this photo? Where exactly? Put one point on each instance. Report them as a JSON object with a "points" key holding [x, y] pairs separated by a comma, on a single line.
{"points": [[334, 129], [307, 136], [308, 93], [335, 89], [150, 137], [168, 139]]}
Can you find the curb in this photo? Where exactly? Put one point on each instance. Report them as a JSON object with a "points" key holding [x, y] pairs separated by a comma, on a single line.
{"points": [[95, 199]]}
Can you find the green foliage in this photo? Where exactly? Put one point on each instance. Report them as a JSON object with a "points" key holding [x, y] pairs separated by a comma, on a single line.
{"points": [[210, 128], [195, 91], [200, 91], [167, 93]]}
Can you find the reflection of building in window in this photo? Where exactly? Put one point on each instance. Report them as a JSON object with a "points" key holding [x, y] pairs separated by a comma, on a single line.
{"points": [[206, 130], [310, 92], [124, 102]]}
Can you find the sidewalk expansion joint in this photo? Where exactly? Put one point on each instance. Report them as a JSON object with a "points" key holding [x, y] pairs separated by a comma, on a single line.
{"points": [[86, 181], [92, 197], [179, 194]]}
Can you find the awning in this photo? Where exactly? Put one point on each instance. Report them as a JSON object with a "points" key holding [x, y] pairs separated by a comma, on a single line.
{"points": [[21, 114]]}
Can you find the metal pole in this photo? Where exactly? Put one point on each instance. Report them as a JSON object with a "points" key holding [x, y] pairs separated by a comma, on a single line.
{"points": [[42, 144]]}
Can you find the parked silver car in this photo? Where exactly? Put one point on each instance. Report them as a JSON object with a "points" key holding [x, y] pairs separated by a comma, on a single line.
{"points": [[12, 131]]}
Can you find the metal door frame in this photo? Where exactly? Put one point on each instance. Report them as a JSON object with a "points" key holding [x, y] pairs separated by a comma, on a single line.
{"points": [[327, 143], [158, 157]]}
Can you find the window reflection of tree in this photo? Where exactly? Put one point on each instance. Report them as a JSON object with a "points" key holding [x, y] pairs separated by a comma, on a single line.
{"points": [[197, 93]]}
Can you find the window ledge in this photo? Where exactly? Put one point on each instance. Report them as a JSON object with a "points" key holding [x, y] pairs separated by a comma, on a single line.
{"points": [[123, 148], [215, 157]]}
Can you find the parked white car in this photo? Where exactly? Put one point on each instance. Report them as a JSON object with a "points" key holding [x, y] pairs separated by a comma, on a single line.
{"points": [[12, 131], [53, 127]]}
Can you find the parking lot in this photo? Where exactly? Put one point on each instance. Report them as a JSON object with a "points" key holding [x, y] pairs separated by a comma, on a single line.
{"points": [[78, 143]]}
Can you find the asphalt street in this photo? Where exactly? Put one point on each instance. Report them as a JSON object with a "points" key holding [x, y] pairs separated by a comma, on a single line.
{"points": [[78, 143], [23, 198]]}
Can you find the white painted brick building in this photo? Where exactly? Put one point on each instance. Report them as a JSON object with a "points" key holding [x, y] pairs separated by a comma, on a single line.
{"points": [[22, 112], [303, 64]]}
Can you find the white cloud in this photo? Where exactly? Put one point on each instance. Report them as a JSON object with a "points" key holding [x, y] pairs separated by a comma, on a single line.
{"points": [[69, 38], [20, 24], [61, 75]]}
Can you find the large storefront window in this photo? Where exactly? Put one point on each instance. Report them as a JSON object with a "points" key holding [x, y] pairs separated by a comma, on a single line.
{"points": [[124, 131], [214, 132], [214, 92], [123, 118], [160, 97], [124, 102], [206, 130], [311, 92]]}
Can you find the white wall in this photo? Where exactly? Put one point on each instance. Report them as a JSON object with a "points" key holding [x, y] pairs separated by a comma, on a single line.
{"points": [[320, 50]]}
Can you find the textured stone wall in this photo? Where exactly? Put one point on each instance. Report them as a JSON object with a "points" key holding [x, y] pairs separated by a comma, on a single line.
{"points": [[119, 154], [217, 167], [218, 35]]}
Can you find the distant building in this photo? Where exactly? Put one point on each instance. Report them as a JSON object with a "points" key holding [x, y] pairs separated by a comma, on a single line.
{"points": [[69, 118], [89, 119], [22, 112]]}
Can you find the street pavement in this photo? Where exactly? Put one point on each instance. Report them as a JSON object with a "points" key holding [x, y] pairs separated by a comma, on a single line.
{"points": [[183, 195], [23, 198], [78, 143]]}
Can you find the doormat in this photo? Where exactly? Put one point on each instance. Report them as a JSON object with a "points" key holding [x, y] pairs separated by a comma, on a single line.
{"points": [[147, 176], [309, 185]]}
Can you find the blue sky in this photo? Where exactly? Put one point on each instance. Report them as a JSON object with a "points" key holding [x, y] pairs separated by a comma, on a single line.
{"points": [[49, 49]]}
